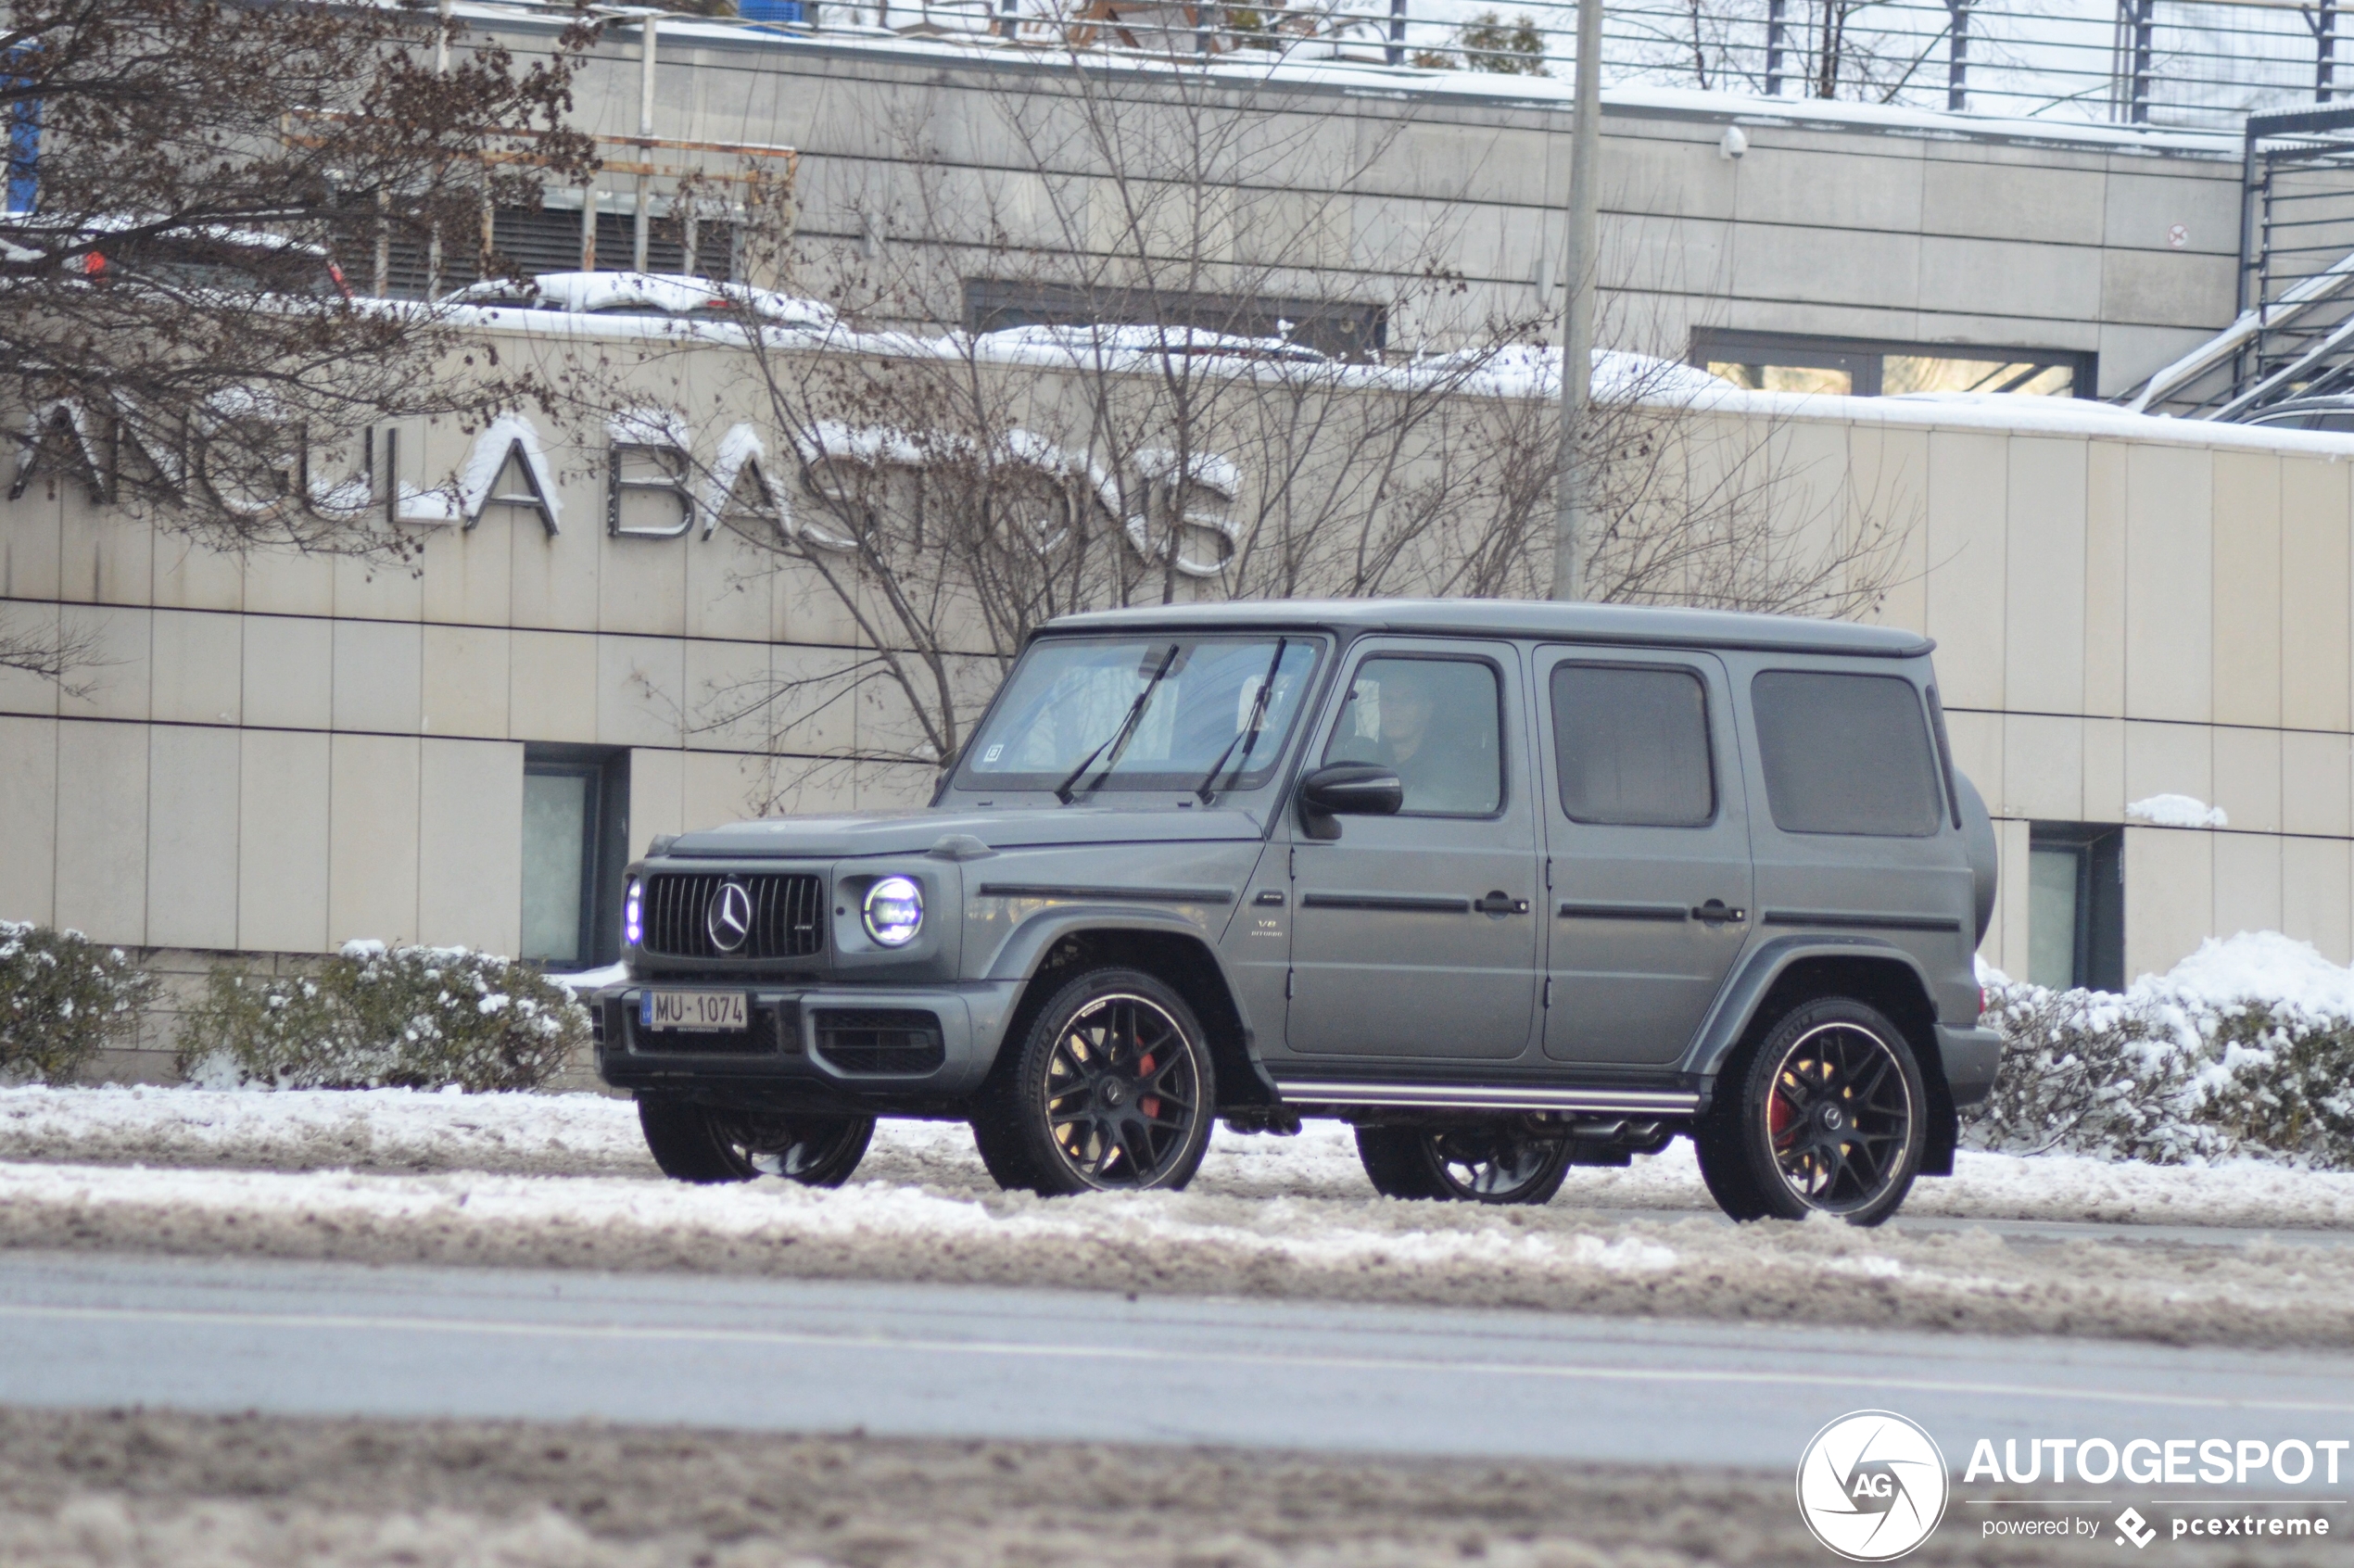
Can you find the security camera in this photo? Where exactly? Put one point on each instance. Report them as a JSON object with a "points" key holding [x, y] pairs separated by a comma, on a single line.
{"points": [[1736, 142]]}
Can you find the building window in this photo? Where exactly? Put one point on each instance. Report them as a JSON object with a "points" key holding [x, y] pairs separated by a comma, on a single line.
{"points": [[2076, 905], [1338, 328], [529, 241], [1869, 368], [575, 846]]}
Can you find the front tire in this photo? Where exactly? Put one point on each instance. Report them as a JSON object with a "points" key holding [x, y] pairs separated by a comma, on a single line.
{"points": [[1110, 1089], [1483, 1164], [1828, 1114], [702, 1143]]}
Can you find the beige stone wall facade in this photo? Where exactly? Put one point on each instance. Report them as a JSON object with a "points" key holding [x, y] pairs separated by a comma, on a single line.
{"points": [[2128, 608], [1839, 219], [278, 754]]}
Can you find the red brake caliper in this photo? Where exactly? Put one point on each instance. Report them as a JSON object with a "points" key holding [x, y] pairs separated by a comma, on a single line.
{"points": [[1778, 1116], [1149, 1103]]}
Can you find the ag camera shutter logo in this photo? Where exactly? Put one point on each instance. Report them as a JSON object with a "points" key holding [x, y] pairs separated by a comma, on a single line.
{"points": [[1872, 1485]]}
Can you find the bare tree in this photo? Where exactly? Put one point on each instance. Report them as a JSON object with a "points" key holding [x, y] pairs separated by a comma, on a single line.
{"points": [[190, 182], [1870, 51], [1113, 374]]}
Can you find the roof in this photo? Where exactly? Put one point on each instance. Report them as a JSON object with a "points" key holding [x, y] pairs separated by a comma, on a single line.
{"points": [[1519, 618]]}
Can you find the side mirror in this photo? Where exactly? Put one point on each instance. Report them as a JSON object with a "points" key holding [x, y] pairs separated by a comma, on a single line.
{"points": [[1347, 790]]}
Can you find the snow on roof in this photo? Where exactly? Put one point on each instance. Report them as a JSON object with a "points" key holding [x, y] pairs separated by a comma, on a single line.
{"points": [[655, 294], [597, 306], [1107, 338]]}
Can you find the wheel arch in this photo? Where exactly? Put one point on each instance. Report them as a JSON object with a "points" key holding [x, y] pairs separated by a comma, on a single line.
{"points": [[1051, 950], [1791, 971]]}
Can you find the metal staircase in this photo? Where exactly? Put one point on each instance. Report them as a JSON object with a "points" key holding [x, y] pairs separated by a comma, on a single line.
{"points": [[2293, 339]]}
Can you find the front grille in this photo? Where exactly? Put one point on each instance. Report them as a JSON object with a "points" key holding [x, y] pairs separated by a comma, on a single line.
{"points": [[762, 1037], [788, 916], [879, 1040]]}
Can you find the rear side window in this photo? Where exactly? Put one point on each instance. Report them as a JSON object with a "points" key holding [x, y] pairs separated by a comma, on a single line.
{"points": [[1630, 744], [1845, 753]]}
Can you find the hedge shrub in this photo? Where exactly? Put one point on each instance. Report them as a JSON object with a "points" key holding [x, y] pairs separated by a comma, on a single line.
{"points": [[63, 999], [372, 1016], [2244, 1048]]}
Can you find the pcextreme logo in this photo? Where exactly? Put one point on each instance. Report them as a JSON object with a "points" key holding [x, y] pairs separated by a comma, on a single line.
{"points": [[1871, 1485]]}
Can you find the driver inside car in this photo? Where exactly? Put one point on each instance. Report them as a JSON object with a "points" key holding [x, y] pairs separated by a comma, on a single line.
{"points": [[1432, 722]]}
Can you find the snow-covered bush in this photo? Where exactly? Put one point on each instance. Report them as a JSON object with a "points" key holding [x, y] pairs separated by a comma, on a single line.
{"points": [[63, 999], [2244, 1047], [409, 1017]]}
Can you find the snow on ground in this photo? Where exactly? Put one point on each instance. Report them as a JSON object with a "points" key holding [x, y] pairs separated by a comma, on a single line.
{"points": [[563, 1181], [1566, 1256], [314, 1129], [397, 1130]]}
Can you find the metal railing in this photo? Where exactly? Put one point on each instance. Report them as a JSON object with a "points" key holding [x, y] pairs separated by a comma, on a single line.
{"points": [[2190, 64]]}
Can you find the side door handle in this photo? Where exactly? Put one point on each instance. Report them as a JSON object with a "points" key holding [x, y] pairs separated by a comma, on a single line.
{"points": [[1717, 912], [1500, 903]]}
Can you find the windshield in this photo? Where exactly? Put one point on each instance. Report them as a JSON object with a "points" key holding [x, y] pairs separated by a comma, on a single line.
{"points": [[1070, 702]]}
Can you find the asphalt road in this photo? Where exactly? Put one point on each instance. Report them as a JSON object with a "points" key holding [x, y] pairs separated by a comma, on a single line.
{"points": [[224, 1334]]}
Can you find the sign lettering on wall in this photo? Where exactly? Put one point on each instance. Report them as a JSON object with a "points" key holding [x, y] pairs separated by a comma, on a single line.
{"points": [[1169, 508]]}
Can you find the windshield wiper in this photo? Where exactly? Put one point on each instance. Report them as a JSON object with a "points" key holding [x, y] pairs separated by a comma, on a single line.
{"points": [[1117, 740], [1207, 787]]}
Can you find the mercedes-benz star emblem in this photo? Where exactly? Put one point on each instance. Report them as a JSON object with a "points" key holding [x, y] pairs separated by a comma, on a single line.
{"points": [[729, 918]]}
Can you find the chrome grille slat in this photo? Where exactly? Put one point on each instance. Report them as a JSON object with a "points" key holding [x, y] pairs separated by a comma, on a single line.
{"points": [[785, 922]]}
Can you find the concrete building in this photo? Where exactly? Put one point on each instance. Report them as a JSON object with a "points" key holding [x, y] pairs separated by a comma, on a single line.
{"points": [[279, 754], [1843, 234]]}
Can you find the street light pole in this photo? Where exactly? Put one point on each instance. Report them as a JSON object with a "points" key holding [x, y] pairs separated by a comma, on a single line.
{"points": [[1578, 318]]}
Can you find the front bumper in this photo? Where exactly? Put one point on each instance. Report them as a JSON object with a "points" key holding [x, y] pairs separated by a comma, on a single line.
{"points": [[1970, 1057], [830, 1045]]}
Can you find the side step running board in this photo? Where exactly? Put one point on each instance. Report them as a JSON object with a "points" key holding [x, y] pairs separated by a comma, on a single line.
{"points": [[1621, 1101]]}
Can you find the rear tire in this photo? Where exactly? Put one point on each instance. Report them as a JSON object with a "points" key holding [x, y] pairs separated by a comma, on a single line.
{"points": [[1828, 1114], [694, 1142], [1493, 1164], [1110, 1089]]}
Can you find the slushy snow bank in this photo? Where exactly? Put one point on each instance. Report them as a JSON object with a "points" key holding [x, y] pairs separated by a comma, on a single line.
{"points": [[321, 1129], [1561, 1258], [401, 1130], [2244, 1048], [563, 1181]]}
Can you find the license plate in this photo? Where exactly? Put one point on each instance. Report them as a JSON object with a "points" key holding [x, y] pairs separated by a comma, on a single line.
{"points": [[691, 1009]]}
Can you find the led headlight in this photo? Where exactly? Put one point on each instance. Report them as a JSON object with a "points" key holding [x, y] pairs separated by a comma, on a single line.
{"points": [[633, 925], [894, 911]]}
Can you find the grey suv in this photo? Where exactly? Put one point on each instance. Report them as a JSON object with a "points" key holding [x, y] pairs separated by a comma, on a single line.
{"points": [[1509, 887]]}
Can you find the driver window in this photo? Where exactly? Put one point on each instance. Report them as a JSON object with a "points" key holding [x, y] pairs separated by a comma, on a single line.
{"points": [[1435, 723]]}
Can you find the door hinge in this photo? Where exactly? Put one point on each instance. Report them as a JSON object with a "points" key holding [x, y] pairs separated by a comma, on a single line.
{"points": [[1548, 990], [1291, 866], [1287, 980], [1548, 873]]}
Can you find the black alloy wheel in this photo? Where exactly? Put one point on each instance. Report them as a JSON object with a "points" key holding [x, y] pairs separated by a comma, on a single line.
{"points": [[1827, 1117], [694, 1143], [1110, 1089], [1494, 1163]]}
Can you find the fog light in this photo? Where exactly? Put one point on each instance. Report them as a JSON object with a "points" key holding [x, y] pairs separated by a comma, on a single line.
{"points": [[633, 926], [894, 911]]}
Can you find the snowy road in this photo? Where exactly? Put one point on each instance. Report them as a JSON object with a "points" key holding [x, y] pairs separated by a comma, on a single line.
{"points": [[949, 1360], [2242, 1256]]}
